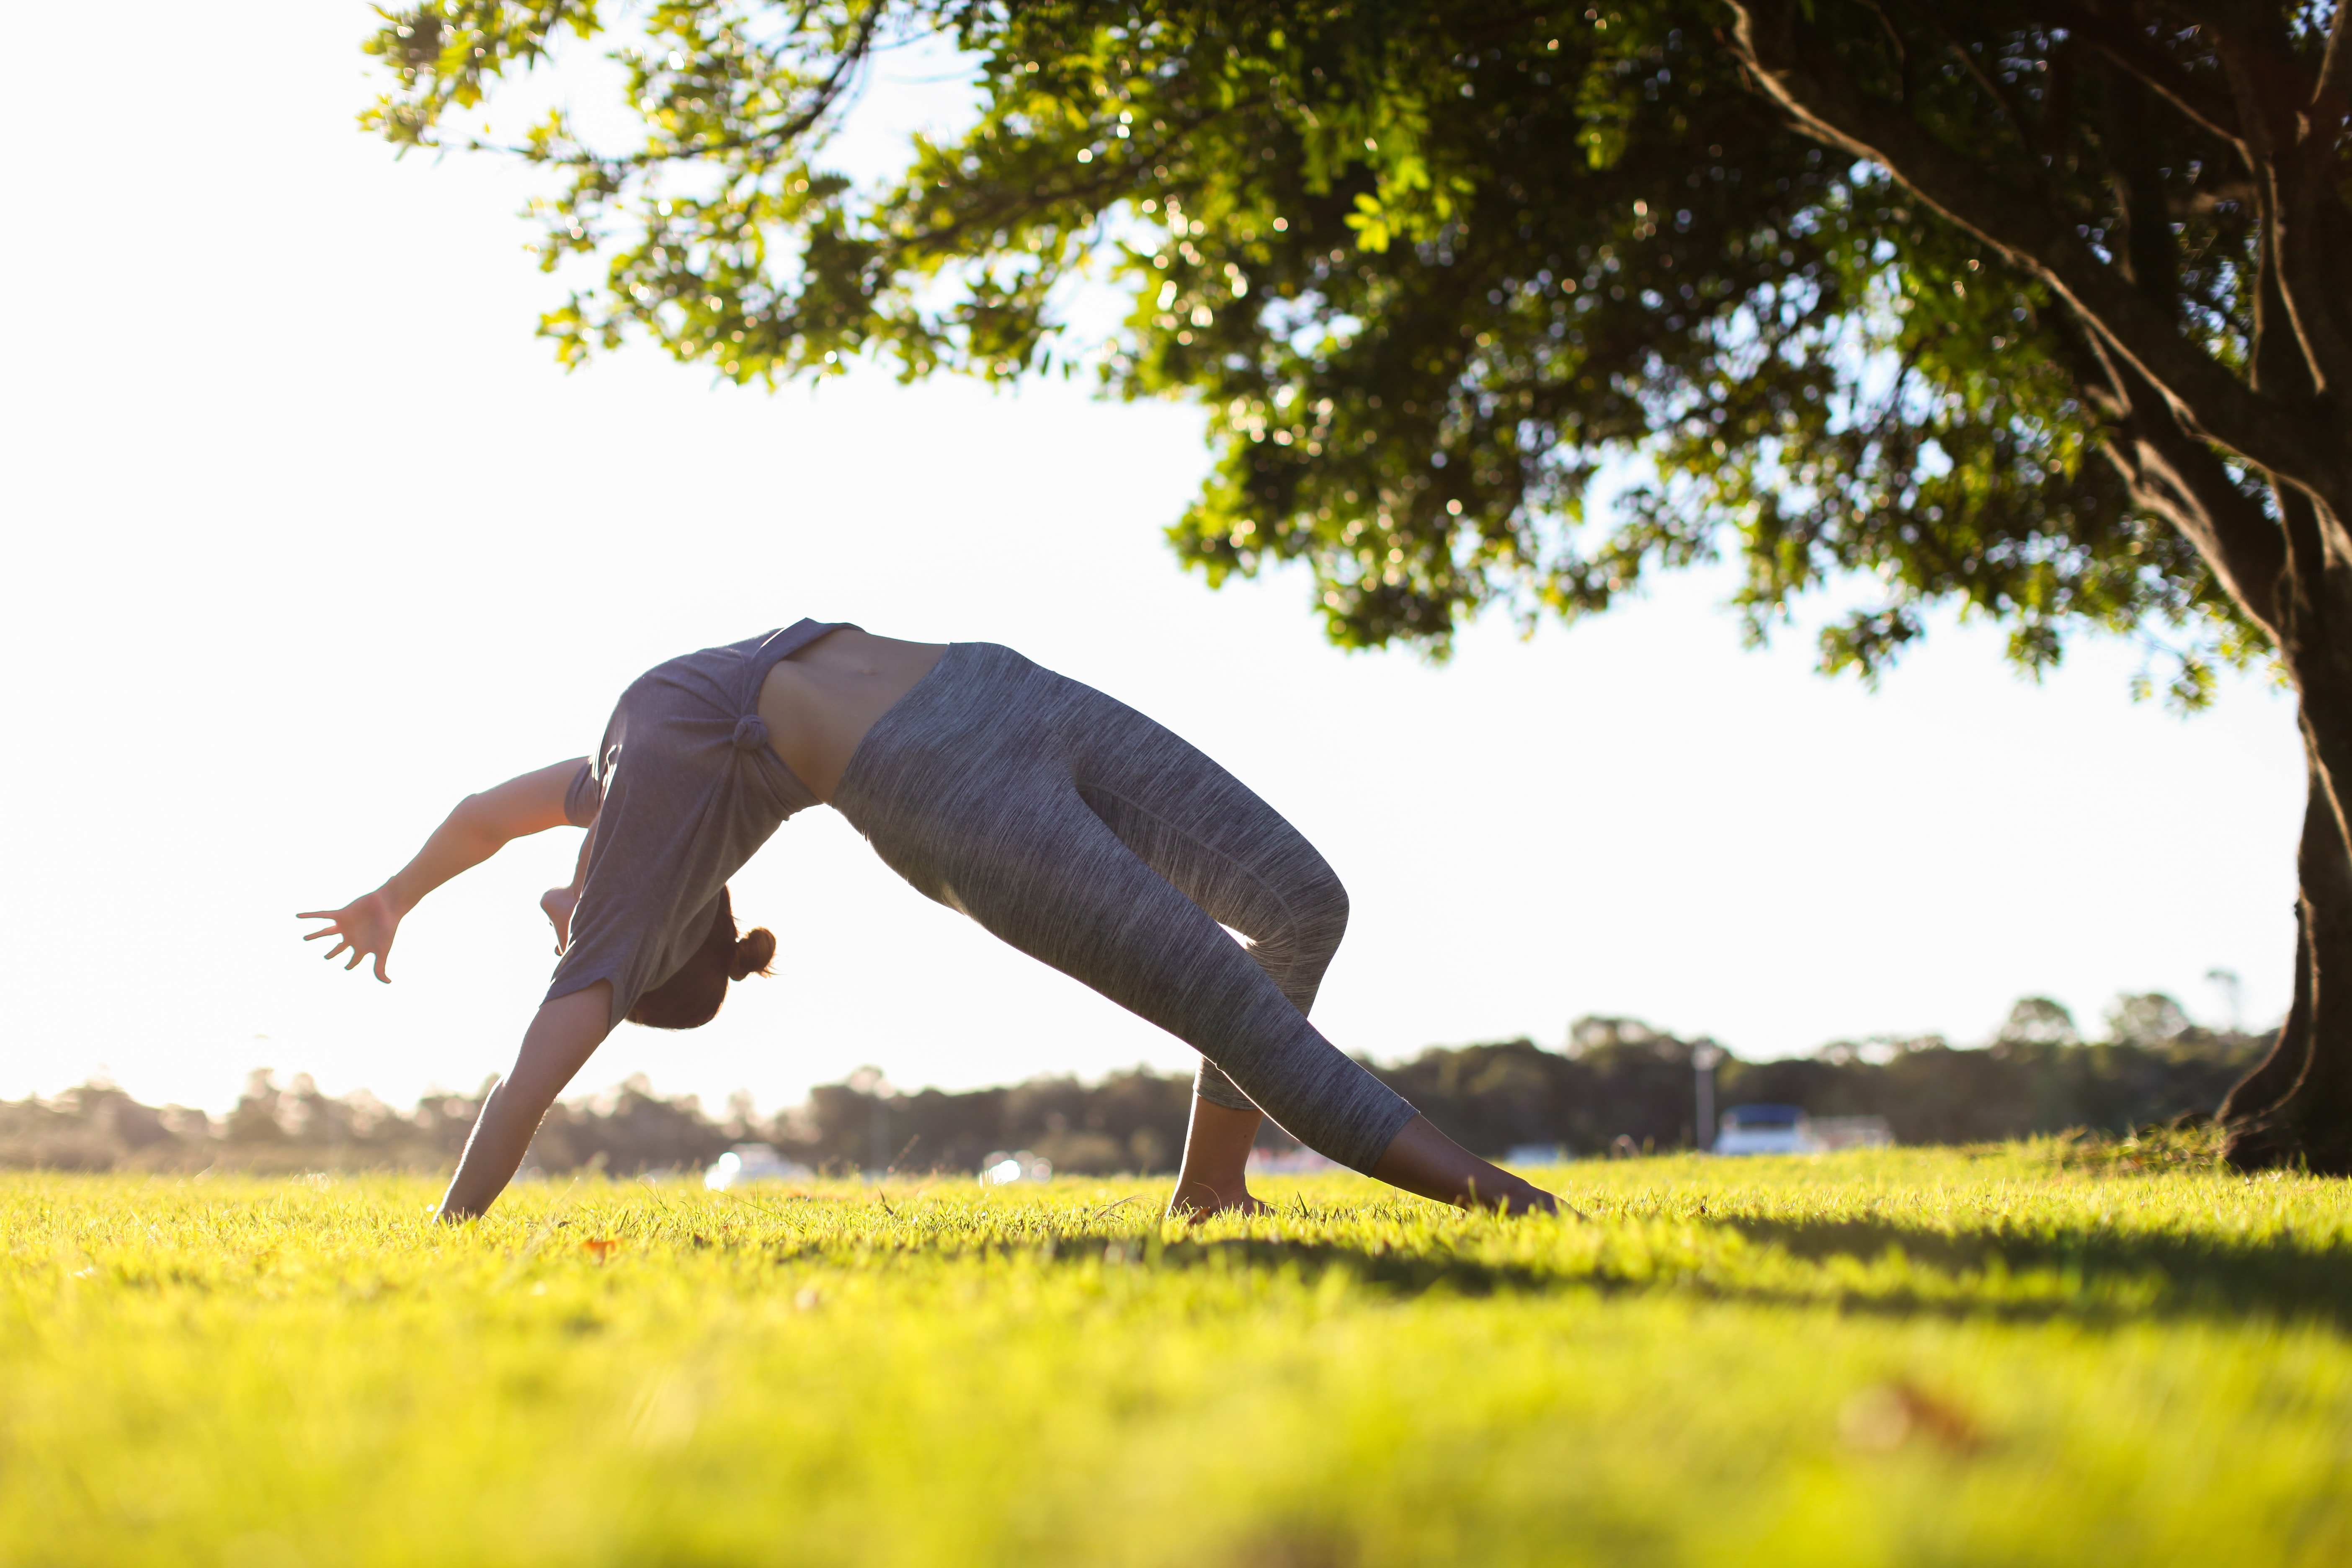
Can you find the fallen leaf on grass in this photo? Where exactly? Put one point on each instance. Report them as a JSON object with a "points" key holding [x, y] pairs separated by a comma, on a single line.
{"points": [[1882, 1419], [602, 1247]]}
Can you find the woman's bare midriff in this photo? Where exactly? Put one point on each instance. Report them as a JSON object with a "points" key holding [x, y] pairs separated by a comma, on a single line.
{"points": [[818, 703]]}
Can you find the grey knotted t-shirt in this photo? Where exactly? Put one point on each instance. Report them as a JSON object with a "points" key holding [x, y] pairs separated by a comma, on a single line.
{"points": [[684, 789]]}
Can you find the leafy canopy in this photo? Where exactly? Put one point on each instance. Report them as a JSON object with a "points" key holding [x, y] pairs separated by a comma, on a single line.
{"points": [[1432, 266]]}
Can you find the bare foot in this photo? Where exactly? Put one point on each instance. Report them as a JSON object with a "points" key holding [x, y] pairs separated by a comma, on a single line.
{"points": [[1423, 1161], [557, 904], [1193, 1201]]}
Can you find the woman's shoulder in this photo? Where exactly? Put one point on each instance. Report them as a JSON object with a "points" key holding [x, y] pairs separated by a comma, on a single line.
{"points": [[761, 648]]}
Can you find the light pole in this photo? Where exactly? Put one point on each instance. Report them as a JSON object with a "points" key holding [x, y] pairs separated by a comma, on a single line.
{"points": [[1704, 1057]]}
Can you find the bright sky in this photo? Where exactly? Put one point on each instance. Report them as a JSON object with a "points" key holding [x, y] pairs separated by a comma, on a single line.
{"points": [[307, 536]]}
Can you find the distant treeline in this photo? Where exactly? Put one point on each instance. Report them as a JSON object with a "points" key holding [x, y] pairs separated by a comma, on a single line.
{"points": [[1620, 1079], [1616, 1078]]}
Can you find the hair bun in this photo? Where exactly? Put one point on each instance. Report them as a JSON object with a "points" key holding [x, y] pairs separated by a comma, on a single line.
{"points": [[754, 950]]}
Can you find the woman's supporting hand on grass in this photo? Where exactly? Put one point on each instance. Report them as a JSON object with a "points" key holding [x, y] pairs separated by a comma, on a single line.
{"points": [[564, 1034]]}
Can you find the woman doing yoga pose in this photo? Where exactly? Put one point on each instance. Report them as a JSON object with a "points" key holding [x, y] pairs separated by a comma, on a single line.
{"points": [[1069, 825]]}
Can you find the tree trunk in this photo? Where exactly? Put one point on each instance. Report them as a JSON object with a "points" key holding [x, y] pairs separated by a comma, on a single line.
{"points": [[2279, 1072], [2275, 1075], [2295, 1108], [2310, 1124]]}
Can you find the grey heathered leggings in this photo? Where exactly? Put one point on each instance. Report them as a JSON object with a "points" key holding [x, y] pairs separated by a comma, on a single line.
{"points": [[1096, 841]]}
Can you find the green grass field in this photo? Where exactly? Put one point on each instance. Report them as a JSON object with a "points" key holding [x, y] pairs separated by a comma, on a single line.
{"points": [[1904, 1358]]}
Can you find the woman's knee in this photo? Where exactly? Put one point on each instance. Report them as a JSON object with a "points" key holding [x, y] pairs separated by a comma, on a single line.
{"points": [[1299, 944], [1325, 913]]}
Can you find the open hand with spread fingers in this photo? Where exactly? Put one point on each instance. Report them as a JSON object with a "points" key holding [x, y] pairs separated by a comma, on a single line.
{"points": [[363, 927]]}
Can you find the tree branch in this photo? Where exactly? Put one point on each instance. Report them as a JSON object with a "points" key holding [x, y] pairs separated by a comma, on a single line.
{"points": [[2205, 394], [1976, 72], [769, 142], [2148, 254], [2294, 160], [2178, 477], [2334, 81], [2163, 74]]}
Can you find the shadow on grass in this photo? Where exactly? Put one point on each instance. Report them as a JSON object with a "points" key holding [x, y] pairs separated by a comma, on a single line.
{"points": [[2103, 1278], [1381, 1269], [2189, 1276]]}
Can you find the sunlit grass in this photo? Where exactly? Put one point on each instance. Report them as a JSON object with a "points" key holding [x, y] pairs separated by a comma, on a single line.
{"points": [[1908, 1357]]}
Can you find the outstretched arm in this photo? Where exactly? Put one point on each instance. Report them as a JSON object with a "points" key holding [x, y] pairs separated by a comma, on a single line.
{"points": [[480, 827], [560, 1041]]}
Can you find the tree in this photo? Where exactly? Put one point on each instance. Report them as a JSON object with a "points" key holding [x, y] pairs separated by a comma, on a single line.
{"points": [[2151, 1019], [2038, 309], [2039, 1021], [2172, 179]]}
